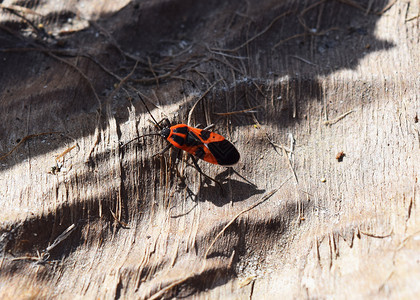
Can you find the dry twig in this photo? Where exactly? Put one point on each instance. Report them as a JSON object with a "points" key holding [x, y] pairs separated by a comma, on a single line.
{"points": [[376, 235], [333, 121], [249, 110], [25, 139], [21, 9], [66, 151]]}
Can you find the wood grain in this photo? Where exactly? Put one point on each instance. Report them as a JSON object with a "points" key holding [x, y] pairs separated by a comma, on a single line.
{"points": [[293, 85]]}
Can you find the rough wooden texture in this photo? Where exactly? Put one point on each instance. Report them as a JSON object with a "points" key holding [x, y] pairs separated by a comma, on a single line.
{"points": [[83, 217]]}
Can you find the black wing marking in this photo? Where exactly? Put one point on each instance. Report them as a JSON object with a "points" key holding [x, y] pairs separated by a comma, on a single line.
{"points": [[192, 140], [182, 130], [178, 139], [200, 153], [205, 134], [224, 152]]}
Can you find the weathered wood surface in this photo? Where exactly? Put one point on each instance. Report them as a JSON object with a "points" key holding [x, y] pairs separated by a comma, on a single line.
{"points": [[322, 77]]}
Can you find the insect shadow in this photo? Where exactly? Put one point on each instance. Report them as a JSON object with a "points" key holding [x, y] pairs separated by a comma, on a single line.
{"points": [[233, 190]]}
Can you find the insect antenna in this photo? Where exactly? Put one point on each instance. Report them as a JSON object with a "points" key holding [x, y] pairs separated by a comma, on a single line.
{"points": [[144, 103], [139, 137]]}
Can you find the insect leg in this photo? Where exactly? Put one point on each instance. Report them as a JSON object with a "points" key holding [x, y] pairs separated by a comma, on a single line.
{"points": [[166, 121], [207, 176], [209, 127], [163, 151]]}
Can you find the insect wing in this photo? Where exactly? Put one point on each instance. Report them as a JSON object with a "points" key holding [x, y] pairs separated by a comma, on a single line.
{"points": [[215, 149], [178, 135], [225, 153], [204, 144]]}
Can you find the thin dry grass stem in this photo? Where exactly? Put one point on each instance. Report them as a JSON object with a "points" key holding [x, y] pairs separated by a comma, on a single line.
{"points": [[405, 240], [303, 12], [302, 22], [289, 160], [223, 80], [169, 63], [243, 66], [166, 66], [227, 64], [239, 111], [80, 73], [287, 153], [182, 52], [235, 92], [255, 36], [122, 82], [333, 121], [27, 138], [66, 151], [110, 38], [42, 257], [97, 137], [16, 12], [275, 145], [224, 54], [194, 65], [318, 26], [259, 89], [202, 76], [181, 78], [121, 223], [153, 71], [201, 98], [288, 39], [19, 9], [105, 69], [352, 3], [259, 202], [151, 80], [369, 7], [163, 76], [64, 235], [377, 236], [252, 113], [304, 34], [304, 60], [413, 18], [161, 292], [244, 282], [135, 58], [384, 285]]}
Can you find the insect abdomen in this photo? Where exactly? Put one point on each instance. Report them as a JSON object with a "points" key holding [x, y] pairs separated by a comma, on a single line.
{"points": [[224, 152]]}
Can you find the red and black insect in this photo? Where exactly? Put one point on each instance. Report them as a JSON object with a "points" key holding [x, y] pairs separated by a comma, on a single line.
{"points": [[202, 143]]}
